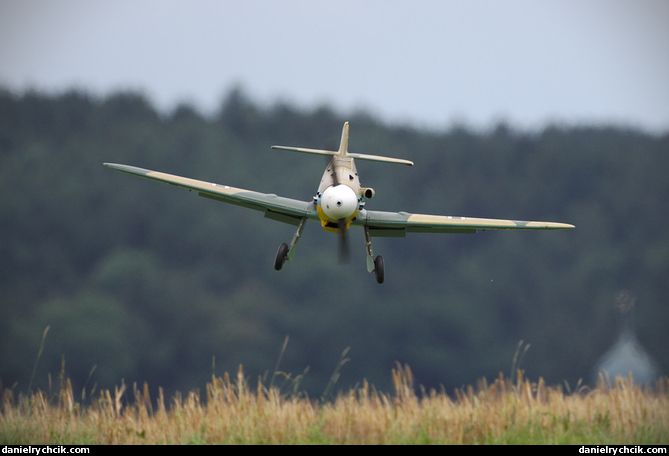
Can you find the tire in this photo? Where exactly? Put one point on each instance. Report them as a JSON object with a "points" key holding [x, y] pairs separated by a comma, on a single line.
{"points": [[379, 269], [281, 256]]}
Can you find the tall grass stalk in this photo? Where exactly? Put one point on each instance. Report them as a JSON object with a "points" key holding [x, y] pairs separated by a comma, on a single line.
{"points": [[278, 362], [39, 355], [336, 374], [518, 356]]}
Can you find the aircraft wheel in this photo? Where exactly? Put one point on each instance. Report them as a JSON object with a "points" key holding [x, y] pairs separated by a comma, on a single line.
{"points": [[281, 256], [379, 269]]}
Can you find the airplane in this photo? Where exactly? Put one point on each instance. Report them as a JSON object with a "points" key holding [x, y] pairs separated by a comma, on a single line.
{"points": [[339, 203]]}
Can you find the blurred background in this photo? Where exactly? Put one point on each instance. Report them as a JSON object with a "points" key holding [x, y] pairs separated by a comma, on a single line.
{"points": [[541, 111]]}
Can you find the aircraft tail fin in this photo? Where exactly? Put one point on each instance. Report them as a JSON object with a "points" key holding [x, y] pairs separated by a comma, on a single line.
{"points": [[343, 151], [343, 145]]}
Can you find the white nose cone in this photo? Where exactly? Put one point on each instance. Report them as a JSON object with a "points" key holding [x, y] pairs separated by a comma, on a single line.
{"points": [[339, 202]]}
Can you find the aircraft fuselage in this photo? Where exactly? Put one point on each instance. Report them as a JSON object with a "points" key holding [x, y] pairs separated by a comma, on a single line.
{"points": [[339, 196]]}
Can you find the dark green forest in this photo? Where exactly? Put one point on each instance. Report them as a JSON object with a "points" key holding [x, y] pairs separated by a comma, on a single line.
{"points": [[139, 281]]}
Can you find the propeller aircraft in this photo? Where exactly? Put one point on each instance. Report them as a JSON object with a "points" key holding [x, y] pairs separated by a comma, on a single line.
{"points": [[339, 203]]}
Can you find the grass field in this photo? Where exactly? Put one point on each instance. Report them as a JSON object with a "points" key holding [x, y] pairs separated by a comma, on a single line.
{"points": [[232, 411]]}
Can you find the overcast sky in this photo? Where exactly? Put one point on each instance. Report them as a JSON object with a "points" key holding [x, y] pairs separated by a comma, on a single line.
{"points": [[430, 63]]}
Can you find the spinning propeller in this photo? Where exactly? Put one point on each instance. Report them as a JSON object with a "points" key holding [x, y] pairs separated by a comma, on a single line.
{"points": [[341, 223]]}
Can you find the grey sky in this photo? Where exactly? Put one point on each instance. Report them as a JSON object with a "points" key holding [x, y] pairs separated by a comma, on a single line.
{"points": [[426, 62]]}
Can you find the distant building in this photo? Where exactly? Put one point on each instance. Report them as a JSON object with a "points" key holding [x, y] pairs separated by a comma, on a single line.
{"points": [[627, 355]]}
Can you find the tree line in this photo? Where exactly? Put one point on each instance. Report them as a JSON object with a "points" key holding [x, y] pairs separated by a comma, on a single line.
{"points": [[139, 281]]}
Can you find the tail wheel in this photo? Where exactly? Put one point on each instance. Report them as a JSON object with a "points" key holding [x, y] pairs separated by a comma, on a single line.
{"points": [[281, 256], [379, 269]]}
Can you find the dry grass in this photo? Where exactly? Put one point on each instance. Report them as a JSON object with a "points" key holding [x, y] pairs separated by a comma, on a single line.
{"points": [[234, 412]]}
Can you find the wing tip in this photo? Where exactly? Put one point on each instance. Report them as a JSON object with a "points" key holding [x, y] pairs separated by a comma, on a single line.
{"points": [[552, 225]]}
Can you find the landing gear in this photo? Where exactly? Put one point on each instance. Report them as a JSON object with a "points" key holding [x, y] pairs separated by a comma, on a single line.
{"points": [[285, 252], [375, 265], [281, 256], [379, 269]]}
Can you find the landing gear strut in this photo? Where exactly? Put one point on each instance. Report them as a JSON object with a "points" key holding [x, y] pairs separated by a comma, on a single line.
{"points": [[374, 264], [285, 252]]}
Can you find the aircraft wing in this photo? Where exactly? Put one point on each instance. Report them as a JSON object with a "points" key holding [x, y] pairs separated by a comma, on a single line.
{"points": [[397, 224], [275, 207]]}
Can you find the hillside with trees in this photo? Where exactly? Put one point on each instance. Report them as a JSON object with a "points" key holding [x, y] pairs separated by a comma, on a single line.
{"points": [[139, 281]]}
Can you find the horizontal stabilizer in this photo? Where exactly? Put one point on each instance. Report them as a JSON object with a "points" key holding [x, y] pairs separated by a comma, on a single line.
{"points": [[305, 150], [377, 158], [343, 151]]}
